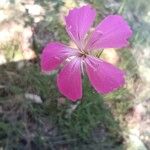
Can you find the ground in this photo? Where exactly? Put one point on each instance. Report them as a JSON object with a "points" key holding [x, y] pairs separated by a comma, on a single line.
{"points": [[34, 115]]}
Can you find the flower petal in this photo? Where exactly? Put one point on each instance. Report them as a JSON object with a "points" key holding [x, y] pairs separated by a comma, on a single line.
{"points": [[69, 80], [103, 76], [112, 32], [53, 54], [78, 22]]}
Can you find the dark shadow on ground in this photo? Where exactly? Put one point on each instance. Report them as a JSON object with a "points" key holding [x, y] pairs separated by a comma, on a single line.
{"points": [[46, 125]]}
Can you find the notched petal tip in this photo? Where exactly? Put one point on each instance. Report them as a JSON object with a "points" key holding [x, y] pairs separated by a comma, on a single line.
{"points": [[78, 9], [127, 27], [120, 85]]}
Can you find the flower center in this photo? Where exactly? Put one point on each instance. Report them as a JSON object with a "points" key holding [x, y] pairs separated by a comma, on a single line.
{"points": [[83, 54]]}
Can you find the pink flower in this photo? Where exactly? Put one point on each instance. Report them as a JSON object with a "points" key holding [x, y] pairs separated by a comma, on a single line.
{"points": [[112, 32]]}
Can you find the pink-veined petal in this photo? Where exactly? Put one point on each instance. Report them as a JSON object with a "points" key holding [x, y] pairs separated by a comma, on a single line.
{"points": [[103, 76], [112, 32], [69, 80], [78, 22], [53, 54]]}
